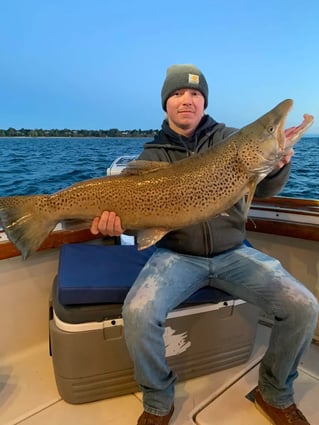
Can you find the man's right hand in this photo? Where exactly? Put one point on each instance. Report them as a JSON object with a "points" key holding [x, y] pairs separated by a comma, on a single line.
{"points": [[109, 224]]}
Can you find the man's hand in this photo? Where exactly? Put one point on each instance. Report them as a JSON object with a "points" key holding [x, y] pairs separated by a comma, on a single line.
{"points": [[109, 224], [289, 154], [284, 160]]}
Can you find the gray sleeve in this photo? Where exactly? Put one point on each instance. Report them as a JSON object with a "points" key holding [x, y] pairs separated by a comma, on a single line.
{"points": [[273, 183]]}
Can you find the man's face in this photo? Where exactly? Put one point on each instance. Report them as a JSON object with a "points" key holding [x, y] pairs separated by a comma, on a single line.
{"points": [[185, 108]]}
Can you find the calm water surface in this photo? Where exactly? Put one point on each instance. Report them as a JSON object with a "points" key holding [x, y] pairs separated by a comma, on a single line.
{"points": [[45, 165]]}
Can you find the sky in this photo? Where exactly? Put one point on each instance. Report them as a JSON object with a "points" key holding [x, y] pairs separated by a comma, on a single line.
{"points": [[100, 64]]}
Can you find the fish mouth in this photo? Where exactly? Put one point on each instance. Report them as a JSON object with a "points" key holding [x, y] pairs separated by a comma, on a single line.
{"points": [[288, 137], [293, 134], [284, 109], [285, 138]]}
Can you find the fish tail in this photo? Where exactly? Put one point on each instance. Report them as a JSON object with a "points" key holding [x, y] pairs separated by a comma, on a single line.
{"points": [[26, 221]]}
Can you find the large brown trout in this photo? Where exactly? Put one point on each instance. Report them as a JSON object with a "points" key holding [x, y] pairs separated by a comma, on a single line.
{"points": [[155, 198]]}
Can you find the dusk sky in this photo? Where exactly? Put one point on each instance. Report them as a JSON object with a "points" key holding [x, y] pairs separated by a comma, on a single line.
{"points": [[100, 64]]}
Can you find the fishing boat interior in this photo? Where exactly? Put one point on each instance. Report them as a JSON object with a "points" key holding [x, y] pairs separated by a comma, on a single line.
{"points": [[49, 368]]}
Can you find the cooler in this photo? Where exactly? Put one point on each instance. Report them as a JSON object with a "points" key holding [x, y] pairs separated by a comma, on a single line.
{"points": [[210, 331]]}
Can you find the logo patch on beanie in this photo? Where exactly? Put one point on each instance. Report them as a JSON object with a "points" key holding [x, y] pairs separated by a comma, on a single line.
{"points": [[193, 79]]}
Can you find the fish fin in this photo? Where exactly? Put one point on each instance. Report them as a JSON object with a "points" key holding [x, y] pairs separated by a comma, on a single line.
{"points": [[76, 224], [249, 198], [140, 166], [148, 237], [24, 223]]}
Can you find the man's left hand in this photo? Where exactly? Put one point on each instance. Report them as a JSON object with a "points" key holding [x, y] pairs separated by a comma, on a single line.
{"points": [[285, 159]]}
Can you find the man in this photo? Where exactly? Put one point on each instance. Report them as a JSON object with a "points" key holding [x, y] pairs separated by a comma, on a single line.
{"points": [[185, 258]]}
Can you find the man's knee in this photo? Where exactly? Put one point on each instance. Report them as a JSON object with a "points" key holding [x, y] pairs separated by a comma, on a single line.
{"points": [[306, 311], [139, 318]]}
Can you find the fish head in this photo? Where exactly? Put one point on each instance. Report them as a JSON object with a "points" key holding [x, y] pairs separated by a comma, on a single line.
{"points": [[265, 141]]}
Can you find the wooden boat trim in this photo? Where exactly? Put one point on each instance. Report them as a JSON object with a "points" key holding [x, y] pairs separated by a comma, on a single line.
{"points": [[295, 230], [298, 218], [283, 202], [54, 240]]}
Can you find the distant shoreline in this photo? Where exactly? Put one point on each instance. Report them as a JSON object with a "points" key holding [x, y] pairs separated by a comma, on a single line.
{"points": [[144, 136], [66, 132]]}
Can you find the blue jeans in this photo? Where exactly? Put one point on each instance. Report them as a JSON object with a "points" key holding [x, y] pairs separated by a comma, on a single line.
{"points": [[168, 278]]}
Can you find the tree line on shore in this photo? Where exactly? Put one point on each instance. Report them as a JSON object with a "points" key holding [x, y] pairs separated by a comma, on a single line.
{"points": [[39, 132]]}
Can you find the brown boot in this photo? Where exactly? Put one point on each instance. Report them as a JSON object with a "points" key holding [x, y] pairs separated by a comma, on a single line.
{"points": [[288, 416], [149, 419]]}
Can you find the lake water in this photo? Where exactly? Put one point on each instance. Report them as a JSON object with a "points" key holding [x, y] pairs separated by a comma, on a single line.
{"points": [[46, 165]]}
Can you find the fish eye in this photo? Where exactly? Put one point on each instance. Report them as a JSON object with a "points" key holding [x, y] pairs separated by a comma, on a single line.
{"points": [[271, 129]]}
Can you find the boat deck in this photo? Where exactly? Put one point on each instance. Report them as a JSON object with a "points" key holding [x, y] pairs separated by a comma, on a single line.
{"points": [[28, 394]]}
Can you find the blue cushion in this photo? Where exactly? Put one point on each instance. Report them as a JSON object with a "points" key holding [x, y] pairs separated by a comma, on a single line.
{"points": [[91, 274]]}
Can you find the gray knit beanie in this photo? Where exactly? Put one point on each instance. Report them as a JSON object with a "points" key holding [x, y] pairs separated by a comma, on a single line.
{"points": [[182, 77]]}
